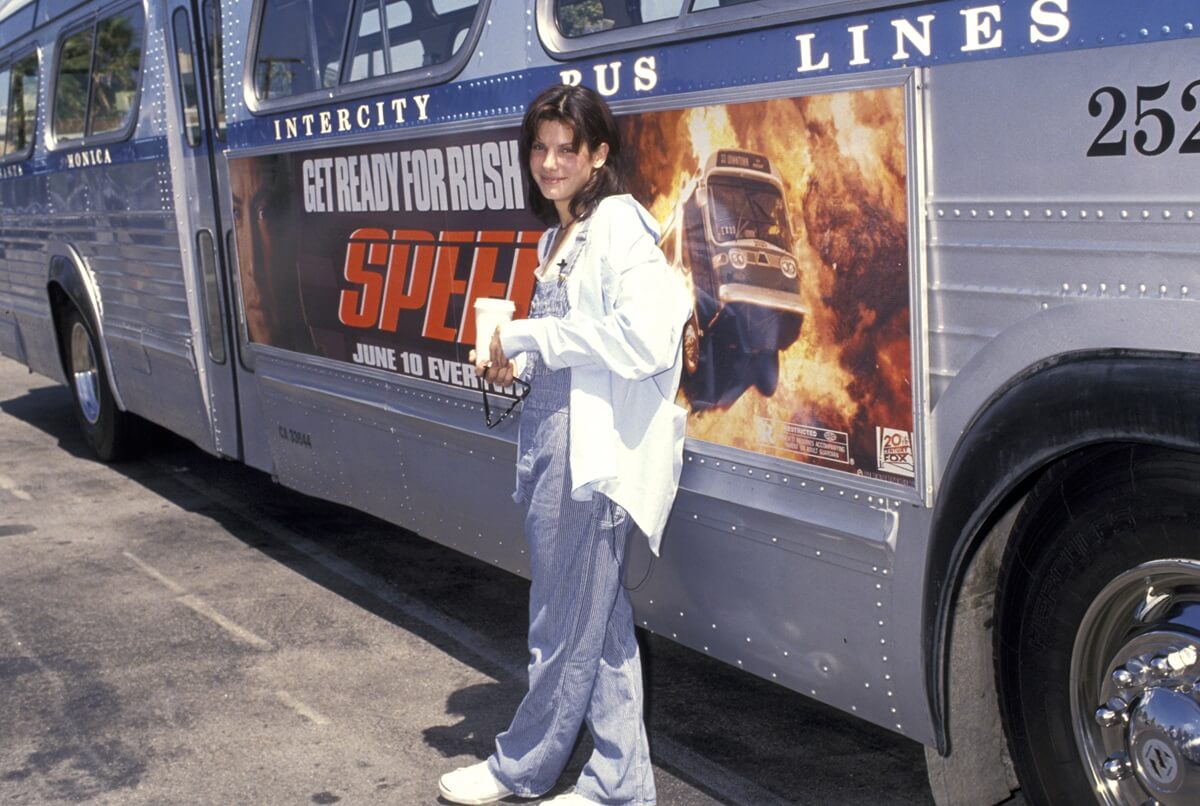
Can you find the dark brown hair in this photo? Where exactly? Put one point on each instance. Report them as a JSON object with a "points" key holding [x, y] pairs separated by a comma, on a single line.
{"points": [[585, 113]]}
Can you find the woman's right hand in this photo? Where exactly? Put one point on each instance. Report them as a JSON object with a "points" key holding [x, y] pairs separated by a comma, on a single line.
{"points": [[498, 369]]}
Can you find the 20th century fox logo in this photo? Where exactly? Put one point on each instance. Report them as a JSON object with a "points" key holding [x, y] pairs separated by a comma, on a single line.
{"points": [[894, 448]]}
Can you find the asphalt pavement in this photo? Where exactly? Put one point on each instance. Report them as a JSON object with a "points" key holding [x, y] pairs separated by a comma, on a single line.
{"points": [[178, 629]]}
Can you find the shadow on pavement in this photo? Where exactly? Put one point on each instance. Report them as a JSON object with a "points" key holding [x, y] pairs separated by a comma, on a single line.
{"points": [[795, 747]]}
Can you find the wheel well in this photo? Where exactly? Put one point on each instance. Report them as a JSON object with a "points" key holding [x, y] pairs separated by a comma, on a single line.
{"points": [[1056, 414], [60, 303]]}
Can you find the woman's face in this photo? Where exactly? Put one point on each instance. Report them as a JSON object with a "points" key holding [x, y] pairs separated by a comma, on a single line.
{"points": [[559, 169]]}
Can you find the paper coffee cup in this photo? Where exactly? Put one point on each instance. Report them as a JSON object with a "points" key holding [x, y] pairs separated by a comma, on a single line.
{"points": [[490, 314]]}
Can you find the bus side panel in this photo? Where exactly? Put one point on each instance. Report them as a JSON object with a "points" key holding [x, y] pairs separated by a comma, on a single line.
{"points": [[1061, 227], [1052, 231], [785, 576], [114, 217], [26, 328]]}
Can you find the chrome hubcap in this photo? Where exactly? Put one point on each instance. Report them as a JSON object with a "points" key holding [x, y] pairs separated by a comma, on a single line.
{"points": [[86, 377], [1137, 655]]}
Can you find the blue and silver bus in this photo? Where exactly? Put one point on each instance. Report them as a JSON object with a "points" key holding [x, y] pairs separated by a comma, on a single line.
{"points": [[957, 490]]}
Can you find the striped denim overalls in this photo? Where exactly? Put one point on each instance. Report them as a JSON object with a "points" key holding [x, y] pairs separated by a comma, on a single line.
{"points": [[584, 662]]}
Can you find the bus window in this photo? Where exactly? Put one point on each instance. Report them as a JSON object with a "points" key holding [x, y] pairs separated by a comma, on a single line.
{"points": [[117, 71], [368, 59], [216, 64], [97, 94], [187, 75], [22, 109], [404, 52], [5, 85], [285, 63], [385, 37], [704, 5], [404, 38], [71, 88], [582, 17], [745, 209]]}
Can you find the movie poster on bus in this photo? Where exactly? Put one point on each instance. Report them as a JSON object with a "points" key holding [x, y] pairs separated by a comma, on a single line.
{"points": [[787, 218], [374, 255]]}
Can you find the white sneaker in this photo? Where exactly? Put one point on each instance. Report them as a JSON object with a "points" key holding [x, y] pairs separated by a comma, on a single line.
{"points": [[573, 799], [472, 786]]}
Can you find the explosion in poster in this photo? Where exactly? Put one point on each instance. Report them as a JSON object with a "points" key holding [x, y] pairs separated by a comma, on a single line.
{"points": [[788, 217]]}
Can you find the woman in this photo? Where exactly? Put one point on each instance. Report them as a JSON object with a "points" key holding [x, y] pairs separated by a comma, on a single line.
{"points": [[599, 452]]}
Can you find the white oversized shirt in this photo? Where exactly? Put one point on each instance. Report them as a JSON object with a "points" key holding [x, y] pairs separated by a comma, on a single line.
{"points": [[622, 340]]}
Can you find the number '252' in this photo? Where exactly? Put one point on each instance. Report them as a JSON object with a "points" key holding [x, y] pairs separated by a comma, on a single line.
{"points": [[1154, 127]]}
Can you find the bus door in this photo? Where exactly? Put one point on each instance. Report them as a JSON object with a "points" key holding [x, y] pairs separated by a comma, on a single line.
{"points": [[193, 34]]}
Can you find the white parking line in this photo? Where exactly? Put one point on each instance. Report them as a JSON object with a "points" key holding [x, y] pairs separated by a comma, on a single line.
{"points": [[154, 573], [300, 708], [716, 779], [10, 486], [200, 606]]}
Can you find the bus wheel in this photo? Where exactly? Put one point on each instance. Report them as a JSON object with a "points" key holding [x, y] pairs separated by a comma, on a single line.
{"points": [[1099, 659], [109, 432], [765, 366], [691, 346]]}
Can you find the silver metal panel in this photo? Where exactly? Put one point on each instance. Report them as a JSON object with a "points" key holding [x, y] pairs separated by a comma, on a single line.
{"points": [[801, 564], [1038, 250]]}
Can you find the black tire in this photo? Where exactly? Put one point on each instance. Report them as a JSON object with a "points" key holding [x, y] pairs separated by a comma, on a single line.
{"points": [[111, 433], [1086, 526]]}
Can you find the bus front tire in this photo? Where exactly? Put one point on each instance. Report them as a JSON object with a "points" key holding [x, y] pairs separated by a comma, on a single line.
{"points": [[108, 431], [1100, 629]]}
